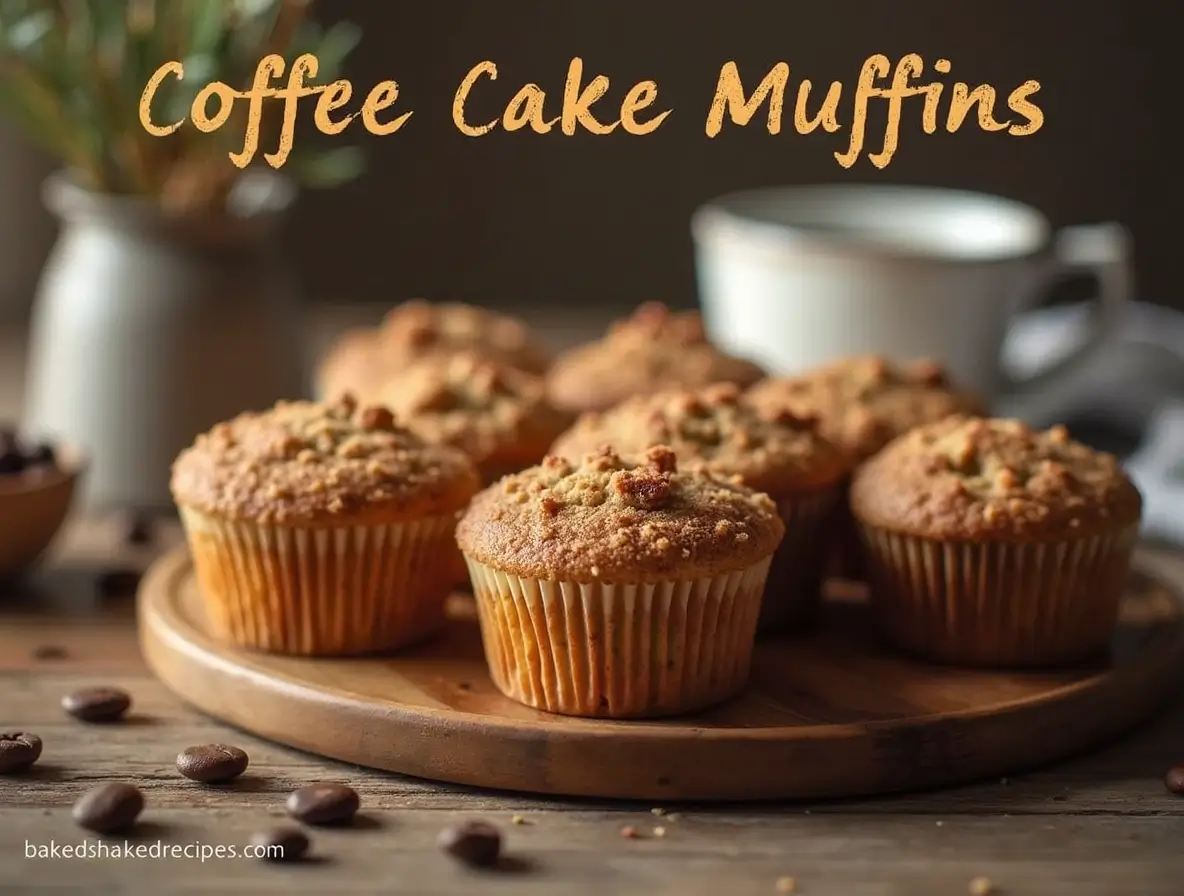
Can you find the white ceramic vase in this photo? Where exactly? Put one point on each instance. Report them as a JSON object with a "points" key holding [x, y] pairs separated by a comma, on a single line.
{"points": [[149, 328]]}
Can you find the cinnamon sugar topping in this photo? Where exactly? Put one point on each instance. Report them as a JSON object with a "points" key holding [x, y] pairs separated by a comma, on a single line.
{"points": [[773, 449], [499, 416], [653, 349], [968, 477], [604, 517], [302, 461], [864, 402]]}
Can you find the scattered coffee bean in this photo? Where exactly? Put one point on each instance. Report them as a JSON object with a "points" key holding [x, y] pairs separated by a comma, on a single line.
{"points": [[1174, 780], [118, 583], [101, 704], [281, 844], [109, 808], [323, 804], [50, 652], [18, 751], [212, 763], [474, 843], [137, 529], [629, 832]]}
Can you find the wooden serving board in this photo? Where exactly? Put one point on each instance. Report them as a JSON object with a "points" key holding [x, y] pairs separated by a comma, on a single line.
{"points": [[828, 714]]}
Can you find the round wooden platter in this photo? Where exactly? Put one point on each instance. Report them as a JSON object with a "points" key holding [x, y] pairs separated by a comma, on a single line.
{"points": [[829, 714]]}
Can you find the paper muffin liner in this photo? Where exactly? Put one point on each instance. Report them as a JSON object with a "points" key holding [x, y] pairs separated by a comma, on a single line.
{"points": [[324, 590], [618, 650], [997, 604], [796, 575]]}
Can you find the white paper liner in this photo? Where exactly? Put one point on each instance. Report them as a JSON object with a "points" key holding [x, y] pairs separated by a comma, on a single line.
{"points": [[617, 650], [324, 591], [794, 587], [995, 603]]}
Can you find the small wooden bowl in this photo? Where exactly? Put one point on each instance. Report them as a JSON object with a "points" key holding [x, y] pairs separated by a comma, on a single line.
{"points": [[33, 507]]}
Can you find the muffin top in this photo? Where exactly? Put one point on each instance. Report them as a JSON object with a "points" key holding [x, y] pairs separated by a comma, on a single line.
{"points": [[865, 402], [654, 349], [490, 411], [968, 478], [608, 519], [771, 449], [419, 328], [302, 462]]}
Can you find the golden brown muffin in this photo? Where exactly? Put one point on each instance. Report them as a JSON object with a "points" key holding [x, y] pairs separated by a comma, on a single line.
{"points": [[362, 359], [991, 544], [417, 328], [499, 416], [862, 404], [322, 529], [772, 450], [655, 349], [619, 589]]}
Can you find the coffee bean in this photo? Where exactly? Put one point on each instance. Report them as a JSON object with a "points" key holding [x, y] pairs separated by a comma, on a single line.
{"points": [[281, 844], [1174, 779], [102, 704], [323, 804], [474, 843], [109, 808], [118, 583], [18, 751], [212, 763], [50, 652]]}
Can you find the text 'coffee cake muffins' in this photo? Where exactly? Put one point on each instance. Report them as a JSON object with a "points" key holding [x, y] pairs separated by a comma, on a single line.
{"points": [[991, 544], [655, 349], [862, 404], [322, 529], [771, 450], [616, 589], [499, 416], [362, 359]]}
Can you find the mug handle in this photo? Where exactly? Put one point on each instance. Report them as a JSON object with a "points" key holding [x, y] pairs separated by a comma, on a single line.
{"points": [[1103, 250]]}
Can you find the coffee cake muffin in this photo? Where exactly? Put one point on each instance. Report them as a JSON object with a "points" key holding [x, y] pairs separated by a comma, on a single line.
{"points": [[499, 416], [862, 404], [655, 349], [617, 589], [991, 544], [417, 329], [771, 450], [322, 529]]}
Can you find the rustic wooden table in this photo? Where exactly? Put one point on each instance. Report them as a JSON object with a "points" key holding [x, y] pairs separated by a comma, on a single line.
{"points": [[1101, 825]]}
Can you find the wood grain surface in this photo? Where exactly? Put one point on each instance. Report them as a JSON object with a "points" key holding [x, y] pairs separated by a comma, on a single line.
{"points": [[827, 714], [1099, 825]]}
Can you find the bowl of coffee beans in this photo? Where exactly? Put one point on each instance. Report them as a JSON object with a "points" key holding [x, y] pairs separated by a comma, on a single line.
{"points": [[38, 479]]}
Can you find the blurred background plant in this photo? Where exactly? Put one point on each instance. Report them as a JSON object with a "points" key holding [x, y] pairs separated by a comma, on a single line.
{"points": [[72, 73]]}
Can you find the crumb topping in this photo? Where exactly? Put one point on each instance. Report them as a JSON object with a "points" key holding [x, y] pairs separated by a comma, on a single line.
{"points": [[865, 402], [654, 349], [969, 477], [772, 449], [418, 328], [491, 411], [303, 462], [606, 518]]}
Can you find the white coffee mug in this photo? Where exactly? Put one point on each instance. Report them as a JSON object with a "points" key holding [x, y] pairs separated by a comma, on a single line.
{"points": [[794, 277]]}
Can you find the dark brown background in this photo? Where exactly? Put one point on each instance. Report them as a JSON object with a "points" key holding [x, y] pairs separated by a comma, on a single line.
{"points": [[592, 219]]}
